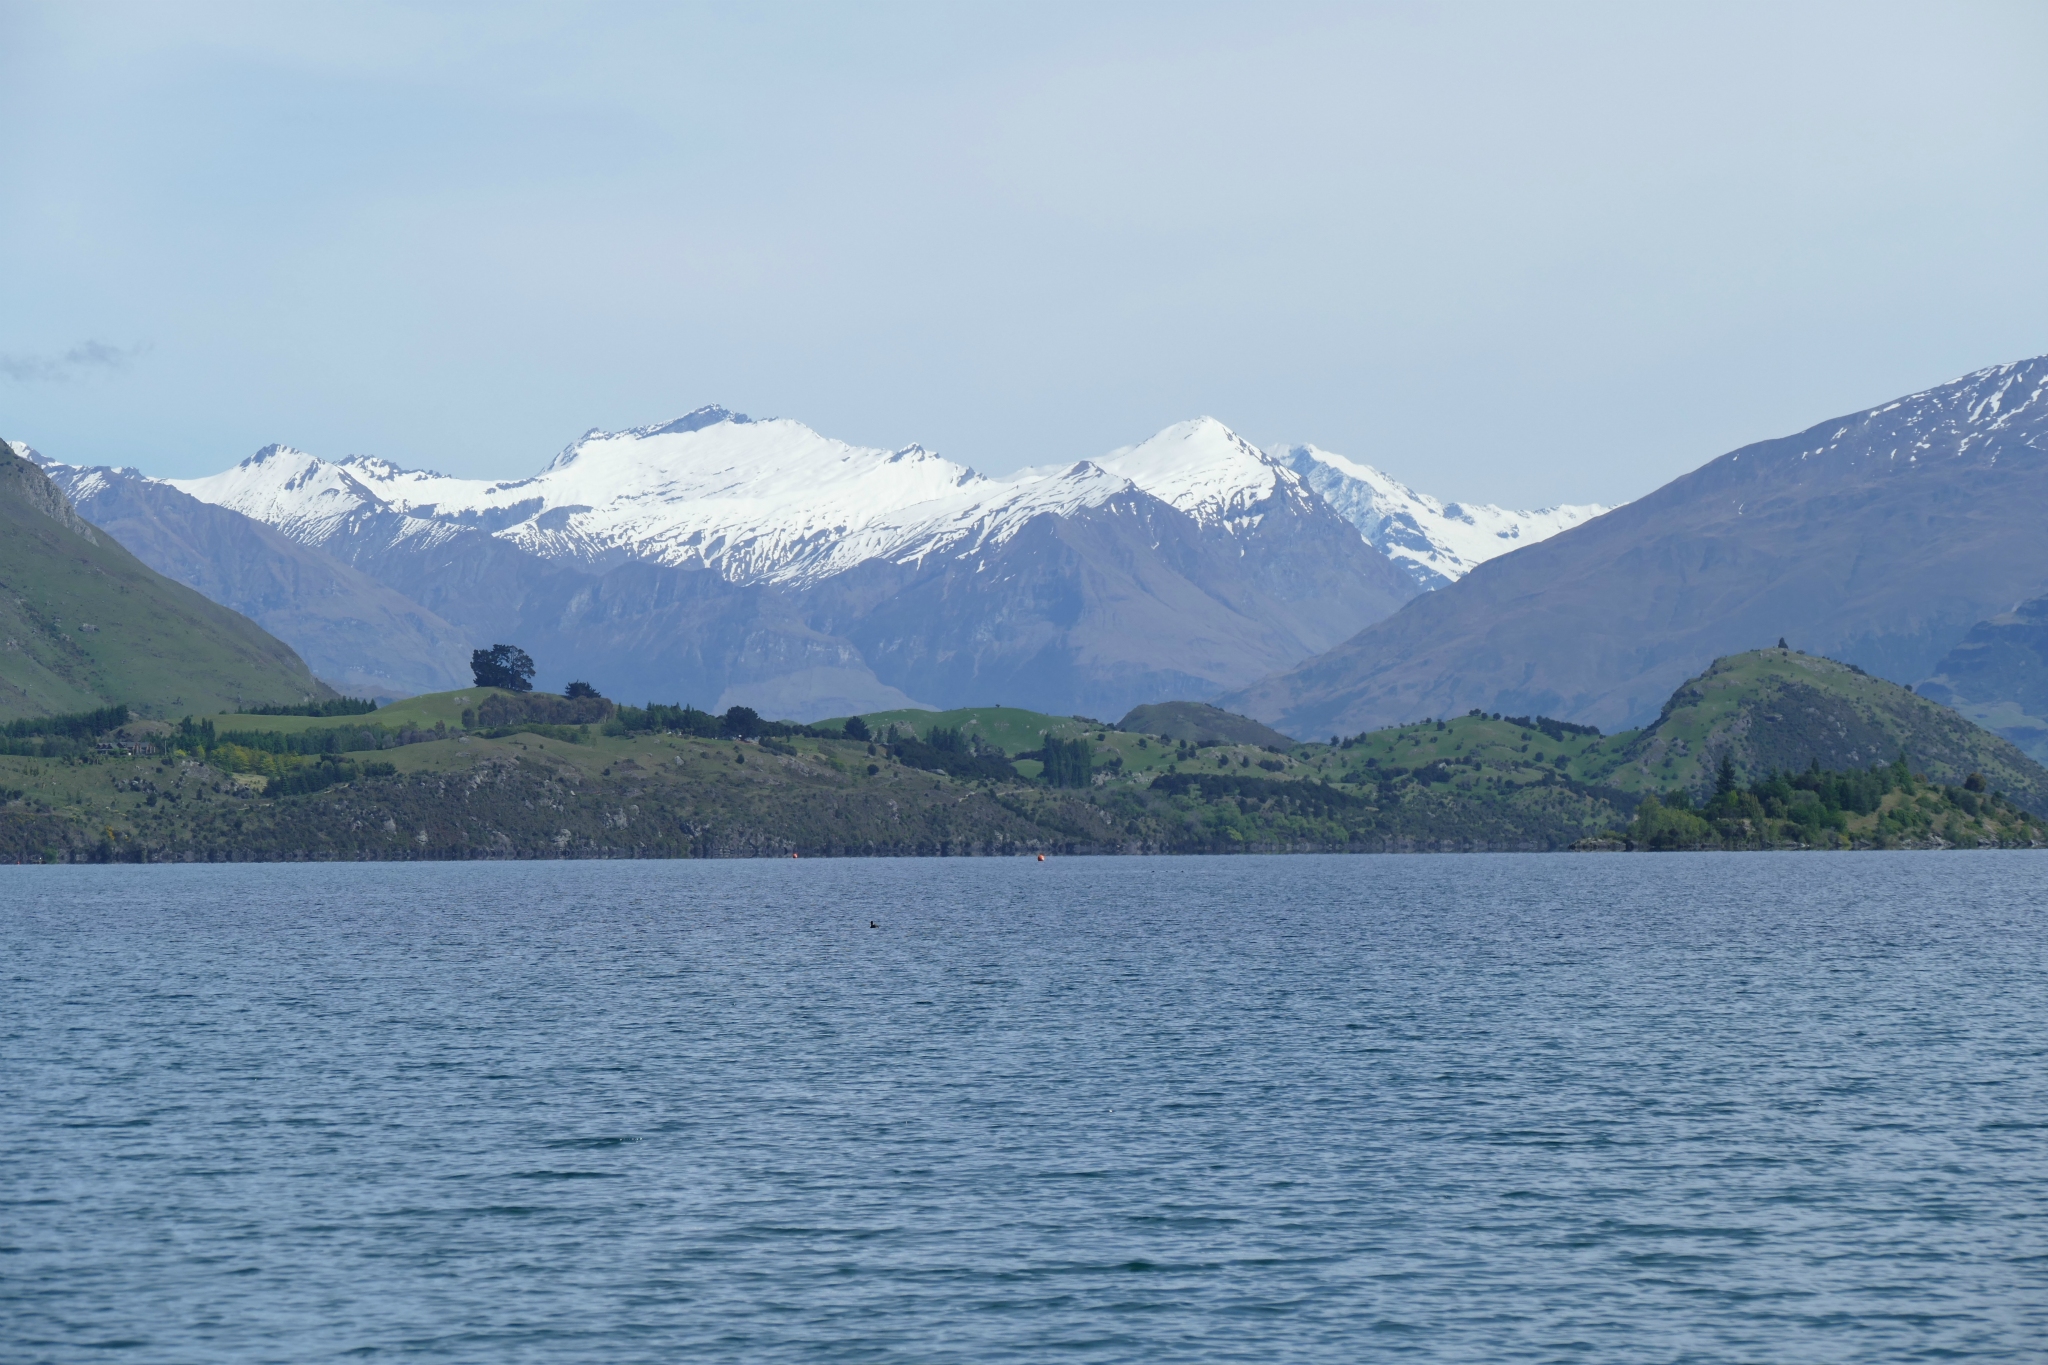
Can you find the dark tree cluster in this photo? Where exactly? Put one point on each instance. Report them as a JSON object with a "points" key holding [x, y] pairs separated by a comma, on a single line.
{"points": [[1069, 763], [738, 722], [1815, 807], [75, 725], [949, 751], [333, 706], [1553, 728], [506, 666]]}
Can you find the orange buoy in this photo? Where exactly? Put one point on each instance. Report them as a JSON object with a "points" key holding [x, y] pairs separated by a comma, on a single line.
{"points": [[1041, 857]]}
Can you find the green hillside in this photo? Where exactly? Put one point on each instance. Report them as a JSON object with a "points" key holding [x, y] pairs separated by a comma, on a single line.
{"points": [[1200, 723], [447, 776], [419, 713], [1780, 709], [83, 623], [1767, 710], [1010, 728]]}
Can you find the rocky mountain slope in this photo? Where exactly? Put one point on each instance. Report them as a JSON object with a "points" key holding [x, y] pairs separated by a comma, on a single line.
{"points": [[1998, 676], [361, 636], [1881, 538], [725, 561], [1437, 542], [84, 624]]}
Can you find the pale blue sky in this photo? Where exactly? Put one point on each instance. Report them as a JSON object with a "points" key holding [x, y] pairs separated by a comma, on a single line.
{"points": [[1514, 253]]}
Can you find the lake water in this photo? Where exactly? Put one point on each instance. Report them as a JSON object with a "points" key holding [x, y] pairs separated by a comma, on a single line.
{"points": [[1495, 1108]]}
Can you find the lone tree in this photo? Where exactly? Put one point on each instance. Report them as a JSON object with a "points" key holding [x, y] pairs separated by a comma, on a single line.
{"points": [[856, 728], [506, 666], [742, 722], [576, 691]]}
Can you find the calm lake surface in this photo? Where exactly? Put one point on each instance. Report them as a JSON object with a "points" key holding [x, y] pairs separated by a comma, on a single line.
{"points": [[1496, 1108]]}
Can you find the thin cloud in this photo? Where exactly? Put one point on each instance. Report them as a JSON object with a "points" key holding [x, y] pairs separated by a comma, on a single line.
{"points": [[88, 357]]}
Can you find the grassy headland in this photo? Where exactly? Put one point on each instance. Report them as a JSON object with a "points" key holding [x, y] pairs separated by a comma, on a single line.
{"points": [[1736, 760]]}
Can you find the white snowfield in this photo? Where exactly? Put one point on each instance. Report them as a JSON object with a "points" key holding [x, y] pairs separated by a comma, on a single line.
{"points": [[774, 501], [1438, 542]]}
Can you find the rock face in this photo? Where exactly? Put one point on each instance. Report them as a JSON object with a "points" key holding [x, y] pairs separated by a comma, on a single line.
{"points": [[1881, 538], [722, 561], [84, 624]]}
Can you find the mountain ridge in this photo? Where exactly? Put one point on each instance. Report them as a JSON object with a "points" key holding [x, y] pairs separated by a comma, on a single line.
{"points": [[769, 564], [1880, 538]]}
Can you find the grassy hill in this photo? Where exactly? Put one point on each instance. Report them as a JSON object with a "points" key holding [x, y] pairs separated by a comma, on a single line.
{"points": [[83, 623], [1768, 710], [1200, 723], [411, 781], [1010, 728], [1780, 709], [418, 713], [601, 791]]}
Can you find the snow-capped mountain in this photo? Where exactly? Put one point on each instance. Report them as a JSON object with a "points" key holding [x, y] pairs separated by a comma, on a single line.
{"points": [[1437, 542], [756, 501], [720, 558], [1883, 538]]}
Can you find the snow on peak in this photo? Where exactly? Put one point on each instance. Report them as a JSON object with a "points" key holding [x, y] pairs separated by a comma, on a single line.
{"points": [[772, 500], [302, 495], [1206, 470], [755, 500], [1437, 542], [710, 415]]}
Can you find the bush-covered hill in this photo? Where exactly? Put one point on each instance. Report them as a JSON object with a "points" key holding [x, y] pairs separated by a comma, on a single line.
{"points": [[391, 785], [1765, 750], [1200, 723], [1778, 709], [1886, 807]]}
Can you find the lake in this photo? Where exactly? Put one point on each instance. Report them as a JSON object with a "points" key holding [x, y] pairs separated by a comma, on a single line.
{"points": [[1490, 1108]]}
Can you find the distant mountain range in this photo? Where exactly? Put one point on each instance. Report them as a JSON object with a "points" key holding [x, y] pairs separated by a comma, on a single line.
{"points": [[1904, 539], [725, 560], [720, 560]]}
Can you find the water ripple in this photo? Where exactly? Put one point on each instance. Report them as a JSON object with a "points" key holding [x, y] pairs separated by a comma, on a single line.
{"points": [[1490, 1109]]}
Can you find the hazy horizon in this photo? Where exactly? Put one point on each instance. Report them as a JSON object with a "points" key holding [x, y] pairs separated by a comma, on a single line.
{"points": [[1508, 256]]}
